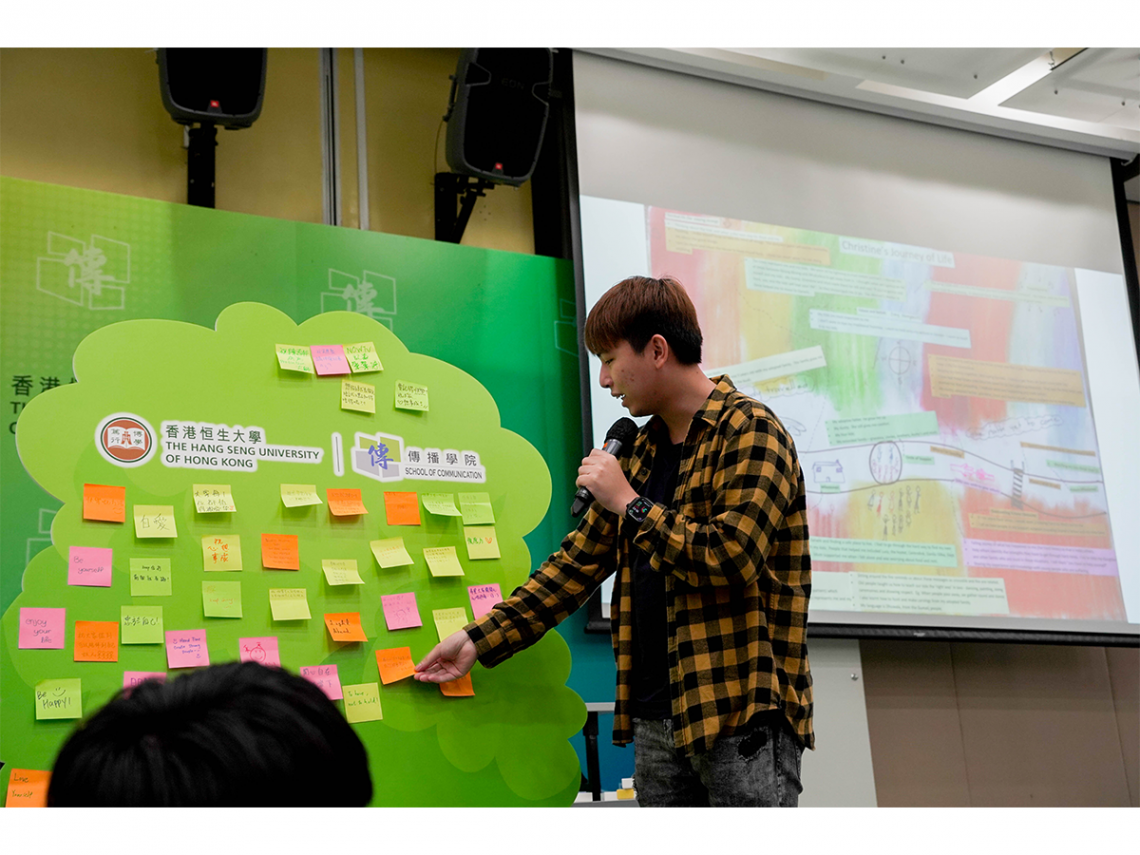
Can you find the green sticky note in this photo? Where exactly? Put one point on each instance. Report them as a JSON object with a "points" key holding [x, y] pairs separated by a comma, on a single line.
{"points": [[481, 541], [476, 508], [362, 358], [449, 621], [141, 625], [150, 577], [155, 521], [289, 603], [341, 571], [299, 495], [221, 599], [362, 702], [440, 504], [295, 357], [59, 699], [442, 561], [390, 552], [410, 396]]}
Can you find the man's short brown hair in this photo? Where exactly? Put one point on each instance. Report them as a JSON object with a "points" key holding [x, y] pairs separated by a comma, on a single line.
{"points": [[640, 307]]}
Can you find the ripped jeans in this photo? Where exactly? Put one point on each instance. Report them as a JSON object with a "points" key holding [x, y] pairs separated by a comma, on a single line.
{"points": [[757, 768]]}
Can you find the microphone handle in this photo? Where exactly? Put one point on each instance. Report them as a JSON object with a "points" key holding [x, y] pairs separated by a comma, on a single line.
{"points": [[584, 497]]}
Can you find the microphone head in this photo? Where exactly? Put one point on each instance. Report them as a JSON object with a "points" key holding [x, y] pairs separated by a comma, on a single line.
{"points": [[624, 430]]}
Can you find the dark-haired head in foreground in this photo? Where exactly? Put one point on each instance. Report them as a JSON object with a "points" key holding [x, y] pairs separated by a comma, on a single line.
{"points": [[239, 734]]}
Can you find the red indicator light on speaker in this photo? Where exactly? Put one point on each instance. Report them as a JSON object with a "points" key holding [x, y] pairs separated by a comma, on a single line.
{"points": [[499, 167], [216, 104]]}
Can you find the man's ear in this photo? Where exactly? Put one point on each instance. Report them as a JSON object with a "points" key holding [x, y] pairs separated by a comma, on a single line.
{"points": [[659, 350]]}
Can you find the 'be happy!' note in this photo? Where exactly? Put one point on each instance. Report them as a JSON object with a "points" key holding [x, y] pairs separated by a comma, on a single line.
{"points": [[59, 698]]}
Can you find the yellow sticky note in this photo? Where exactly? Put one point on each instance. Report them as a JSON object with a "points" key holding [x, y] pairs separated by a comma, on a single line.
{"points": [[221, 552], [442, 561], [297, 495], [362, 702], [362, 358], [154, 521], [411, 396], [341, 571], [221, 599], [289, 603], [213, 498], [390, 552], [449, 621], [59, 698], [481, 541], [357, 396], [440, 504], [476, 508], [345, 502], [295, 357]]}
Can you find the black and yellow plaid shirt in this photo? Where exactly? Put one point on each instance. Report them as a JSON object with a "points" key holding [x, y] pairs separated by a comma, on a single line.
{"points": [[738, 576]]}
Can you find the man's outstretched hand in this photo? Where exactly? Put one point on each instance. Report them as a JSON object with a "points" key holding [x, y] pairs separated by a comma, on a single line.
{"points": [[448, 660]]}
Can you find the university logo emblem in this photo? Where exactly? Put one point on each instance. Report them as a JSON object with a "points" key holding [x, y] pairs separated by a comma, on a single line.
{"points": [[125, 439]]}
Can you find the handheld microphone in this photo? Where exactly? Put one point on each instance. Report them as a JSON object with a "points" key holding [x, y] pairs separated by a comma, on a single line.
{"points": [[619, 437]]}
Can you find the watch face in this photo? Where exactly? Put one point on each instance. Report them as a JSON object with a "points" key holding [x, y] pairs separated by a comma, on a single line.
{"points": [[638, 509]]}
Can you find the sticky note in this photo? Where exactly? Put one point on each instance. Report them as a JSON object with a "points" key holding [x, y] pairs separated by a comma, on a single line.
{"points": [[483, 599], [345, 626], [481, 541], [96, 641], [362, 702], [133, 678], [402, 509], [42, 629], [395, 664], [298, 495], [357, 396], [141, 624], [289, 603], [460, 688], [221, 552], [345, 502], [295, 357], [329, 359], [440, 504], [341, 571], [150, 577], [262, 649], [362, 358], [476, 508], [400, 611], [442, 561], [213, 499], [59, 698], [390, 552], [104, 502], [326, 677], [411, 396], [155, 521], [27, 788], [186, 648], [89, 566], [280, 552], [221, 599], [449, 621]]}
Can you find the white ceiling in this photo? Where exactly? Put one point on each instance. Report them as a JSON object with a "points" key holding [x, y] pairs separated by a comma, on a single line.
{"points": [[1084, 99]]}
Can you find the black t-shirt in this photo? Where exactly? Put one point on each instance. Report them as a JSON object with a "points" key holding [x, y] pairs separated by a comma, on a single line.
{"points": [[650, 695]]}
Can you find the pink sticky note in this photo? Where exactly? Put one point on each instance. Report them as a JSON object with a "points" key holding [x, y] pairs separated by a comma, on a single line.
{"points": [[326, 677], [42, 629], [483, 598], [186, 648], [89, 565], [262, 650], [133, 678], [329, 359], [400, 611]]}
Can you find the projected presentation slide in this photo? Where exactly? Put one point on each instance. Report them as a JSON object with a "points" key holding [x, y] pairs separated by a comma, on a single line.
{"points": [[939, 403]]}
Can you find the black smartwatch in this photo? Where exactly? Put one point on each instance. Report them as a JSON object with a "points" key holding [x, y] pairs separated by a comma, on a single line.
{"points": [[637, 510]]}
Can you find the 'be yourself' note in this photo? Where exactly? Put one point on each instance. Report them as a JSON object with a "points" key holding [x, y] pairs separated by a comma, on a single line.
{"points": [[263, 650], [213, 499], [357, 396], [401, 508], [104, 502], [221, 552], [150, 577], [442, 561], [411, 396], [42, 629], [154, 521], [141, 624], [390, 552], [395, 664], [295, 357], [362, 358], [400, 611], [59, 698], [345, 502], [289, 603], [299, 495], [89, 566], [345, 626], [329, 359], [325, 677], [280, 552]]}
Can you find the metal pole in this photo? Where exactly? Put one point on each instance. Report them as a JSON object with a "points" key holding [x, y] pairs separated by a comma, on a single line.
{"points": [[361, 141]]}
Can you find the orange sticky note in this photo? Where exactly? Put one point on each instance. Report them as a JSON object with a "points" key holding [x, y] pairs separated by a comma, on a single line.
{"points": [[96, 641], [28, 788], [402, 508], [345, 503], [103, 502], [280, 552], [395, 664], [460, 688], [345, 626]]}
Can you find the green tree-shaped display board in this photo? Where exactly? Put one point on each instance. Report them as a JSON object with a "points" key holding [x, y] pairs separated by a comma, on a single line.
{"points": [[506, 745]]}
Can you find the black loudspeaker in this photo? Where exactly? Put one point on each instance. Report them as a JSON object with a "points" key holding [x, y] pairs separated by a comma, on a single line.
{"points": [[223, 86], [497, 112]]}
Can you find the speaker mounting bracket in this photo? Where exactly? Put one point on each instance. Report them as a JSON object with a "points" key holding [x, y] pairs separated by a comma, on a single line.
{"points": [[452, 190]]}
